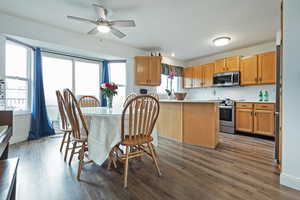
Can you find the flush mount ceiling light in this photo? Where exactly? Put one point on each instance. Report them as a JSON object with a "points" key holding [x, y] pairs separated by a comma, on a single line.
{"points": [[173, 54], [221, 41], [103, 28]]}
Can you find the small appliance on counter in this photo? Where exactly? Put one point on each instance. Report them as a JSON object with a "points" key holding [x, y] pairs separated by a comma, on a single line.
{"points": [[180, 95], [143, 91], [227, 118]]}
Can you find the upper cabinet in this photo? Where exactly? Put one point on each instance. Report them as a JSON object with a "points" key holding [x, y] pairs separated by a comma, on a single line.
{"points": [[148, 70], [188, 77], [208, 73], [249, 68], [266, 68], [230, 64], [198, 76], [258, 69]]}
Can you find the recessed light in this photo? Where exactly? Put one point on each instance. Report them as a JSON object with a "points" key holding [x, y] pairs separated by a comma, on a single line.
{"points": [[221, 41], [103, 28], [173, 54]]}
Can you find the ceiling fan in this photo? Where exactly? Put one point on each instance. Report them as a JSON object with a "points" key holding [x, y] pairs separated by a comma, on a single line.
{"points": [[103, 25]]}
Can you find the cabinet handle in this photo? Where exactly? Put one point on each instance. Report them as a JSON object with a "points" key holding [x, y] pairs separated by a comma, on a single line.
{"points": [[256, 80], [260, 79]]}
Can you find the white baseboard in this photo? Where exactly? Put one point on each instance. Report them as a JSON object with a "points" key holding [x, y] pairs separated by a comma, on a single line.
{"points": [[290, 181]]}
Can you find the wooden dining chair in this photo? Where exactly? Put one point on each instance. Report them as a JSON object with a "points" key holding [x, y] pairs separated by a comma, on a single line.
{"points": [[155, 95], [138, 120], [89, 101], [128, 98], [79, 129], [64, 125]]}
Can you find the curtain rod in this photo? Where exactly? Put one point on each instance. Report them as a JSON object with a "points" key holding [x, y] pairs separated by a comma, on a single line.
{"points": [[70, 55]]}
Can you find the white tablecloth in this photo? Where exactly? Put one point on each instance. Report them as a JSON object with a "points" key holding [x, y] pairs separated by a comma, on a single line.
{"points": [[105, 131]]}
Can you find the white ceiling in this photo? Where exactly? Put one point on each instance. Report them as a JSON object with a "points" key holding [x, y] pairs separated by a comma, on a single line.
{"points": [[185, 27]]}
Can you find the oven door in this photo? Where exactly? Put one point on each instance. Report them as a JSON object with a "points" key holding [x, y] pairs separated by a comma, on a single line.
{"points": [[226, 116]]}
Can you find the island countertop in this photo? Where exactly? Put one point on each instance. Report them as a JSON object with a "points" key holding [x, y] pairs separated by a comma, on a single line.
{"points": [[189, 101]]}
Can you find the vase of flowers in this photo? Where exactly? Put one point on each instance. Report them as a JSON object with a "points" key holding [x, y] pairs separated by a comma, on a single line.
{"points": [[109, 90], [171, 76]]}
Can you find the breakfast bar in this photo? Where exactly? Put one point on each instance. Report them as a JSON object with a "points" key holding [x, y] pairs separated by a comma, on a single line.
{"points": [[193, 122]]}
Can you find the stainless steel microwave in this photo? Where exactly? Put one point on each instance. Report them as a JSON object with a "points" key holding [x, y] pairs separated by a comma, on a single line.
{"points": [[226, 79]]}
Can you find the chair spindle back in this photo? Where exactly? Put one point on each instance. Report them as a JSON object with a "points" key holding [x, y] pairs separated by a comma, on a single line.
{"points": [[89, 101]]}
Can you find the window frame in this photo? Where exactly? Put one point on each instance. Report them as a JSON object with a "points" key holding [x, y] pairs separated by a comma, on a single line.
{"points": [[73, 60], [29, 66]]}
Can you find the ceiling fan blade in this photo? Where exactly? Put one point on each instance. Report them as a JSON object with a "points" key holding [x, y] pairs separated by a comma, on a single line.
{"points": [[82, 20], [117, 33], [101, 11], [94, 31], [123, 23]]}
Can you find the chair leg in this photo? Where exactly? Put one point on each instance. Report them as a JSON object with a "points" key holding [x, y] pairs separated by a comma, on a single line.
{"points": [[68, 146], [72, 152], [154, 158], [63, 141], [126, 167], [81, 161]]}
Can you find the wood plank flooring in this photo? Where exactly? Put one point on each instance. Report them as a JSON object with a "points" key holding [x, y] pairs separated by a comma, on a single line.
{"points": [[240, 168]]}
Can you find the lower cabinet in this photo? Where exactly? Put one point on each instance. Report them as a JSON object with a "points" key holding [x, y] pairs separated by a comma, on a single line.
{"points": [[256, 118]]}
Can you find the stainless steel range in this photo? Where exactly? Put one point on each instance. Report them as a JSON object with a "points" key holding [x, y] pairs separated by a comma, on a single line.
{"points": [[227, 116]]}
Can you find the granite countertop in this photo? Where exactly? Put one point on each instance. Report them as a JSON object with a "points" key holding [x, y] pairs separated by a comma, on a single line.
{"points": [[189, 101]]}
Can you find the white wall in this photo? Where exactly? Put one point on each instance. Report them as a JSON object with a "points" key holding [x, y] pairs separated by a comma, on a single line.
{"points": [[247, 93], [290, 175]]}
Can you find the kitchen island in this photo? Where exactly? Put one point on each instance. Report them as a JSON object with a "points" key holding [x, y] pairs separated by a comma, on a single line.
{"points": [[190, 121]]}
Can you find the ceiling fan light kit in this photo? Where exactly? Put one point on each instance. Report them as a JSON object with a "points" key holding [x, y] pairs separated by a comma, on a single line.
{"points": [[103, 25]]}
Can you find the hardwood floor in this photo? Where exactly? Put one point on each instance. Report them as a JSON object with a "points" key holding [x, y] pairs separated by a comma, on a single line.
{"points": [[240, 168]]}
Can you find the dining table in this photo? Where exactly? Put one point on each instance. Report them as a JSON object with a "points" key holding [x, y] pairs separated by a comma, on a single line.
{"points": [[104, 125]]}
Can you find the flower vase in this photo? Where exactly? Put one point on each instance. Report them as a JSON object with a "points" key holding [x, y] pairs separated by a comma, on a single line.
{"points": [[109, 101]]}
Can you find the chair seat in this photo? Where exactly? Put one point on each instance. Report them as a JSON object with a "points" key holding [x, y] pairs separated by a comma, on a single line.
{"points": [[140, 139]]}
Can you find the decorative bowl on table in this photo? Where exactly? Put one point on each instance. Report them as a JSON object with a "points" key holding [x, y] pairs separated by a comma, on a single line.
{"points": [[180, 95]]}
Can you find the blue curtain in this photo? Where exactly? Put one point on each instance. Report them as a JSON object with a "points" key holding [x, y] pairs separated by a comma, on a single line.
{"points": [[40, 125], [105, 78]]}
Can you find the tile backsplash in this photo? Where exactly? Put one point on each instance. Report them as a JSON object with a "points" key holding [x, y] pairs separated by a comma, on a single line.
{"points": [[247, 93]]}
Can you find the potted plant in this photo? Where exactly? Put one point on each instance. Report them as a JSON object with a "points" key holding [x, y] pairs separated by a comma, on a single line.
{"points": [[109, 90], [171, 76]]}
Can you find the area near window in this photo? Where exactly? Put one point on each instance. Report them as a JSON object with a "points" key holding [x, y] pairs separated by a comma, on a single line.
{"points": [[17, 76], [117, 72]]}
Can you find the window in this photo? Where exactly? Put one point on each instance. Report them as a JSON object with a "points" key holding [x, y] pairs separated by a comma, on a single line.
{"points": [[60, 72], [17, 75], [118, 76], [166, 84], [87, 79]]}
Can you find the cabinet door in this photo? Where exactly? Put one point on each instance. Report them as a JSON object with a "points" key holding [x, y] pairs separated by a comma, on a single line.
{"points": [[244, 120], [142, 70], [188, 77], [198, 76], [154, 71], [266, 68], [208, 72], [233, 64], [220, 66], [264, 122], [249, 68]]}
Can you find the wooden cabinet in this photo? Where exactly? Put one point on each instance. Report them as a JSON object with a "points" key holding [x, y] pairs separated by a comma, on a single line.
{"points": [[244, 120], [233, 64], [220, 66], [255, 118], [249, 68], [148, 70], [197, 76], [188, 77], [230, 64], [258, 69], [208, 73], [264, 119], [266, 68]]}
